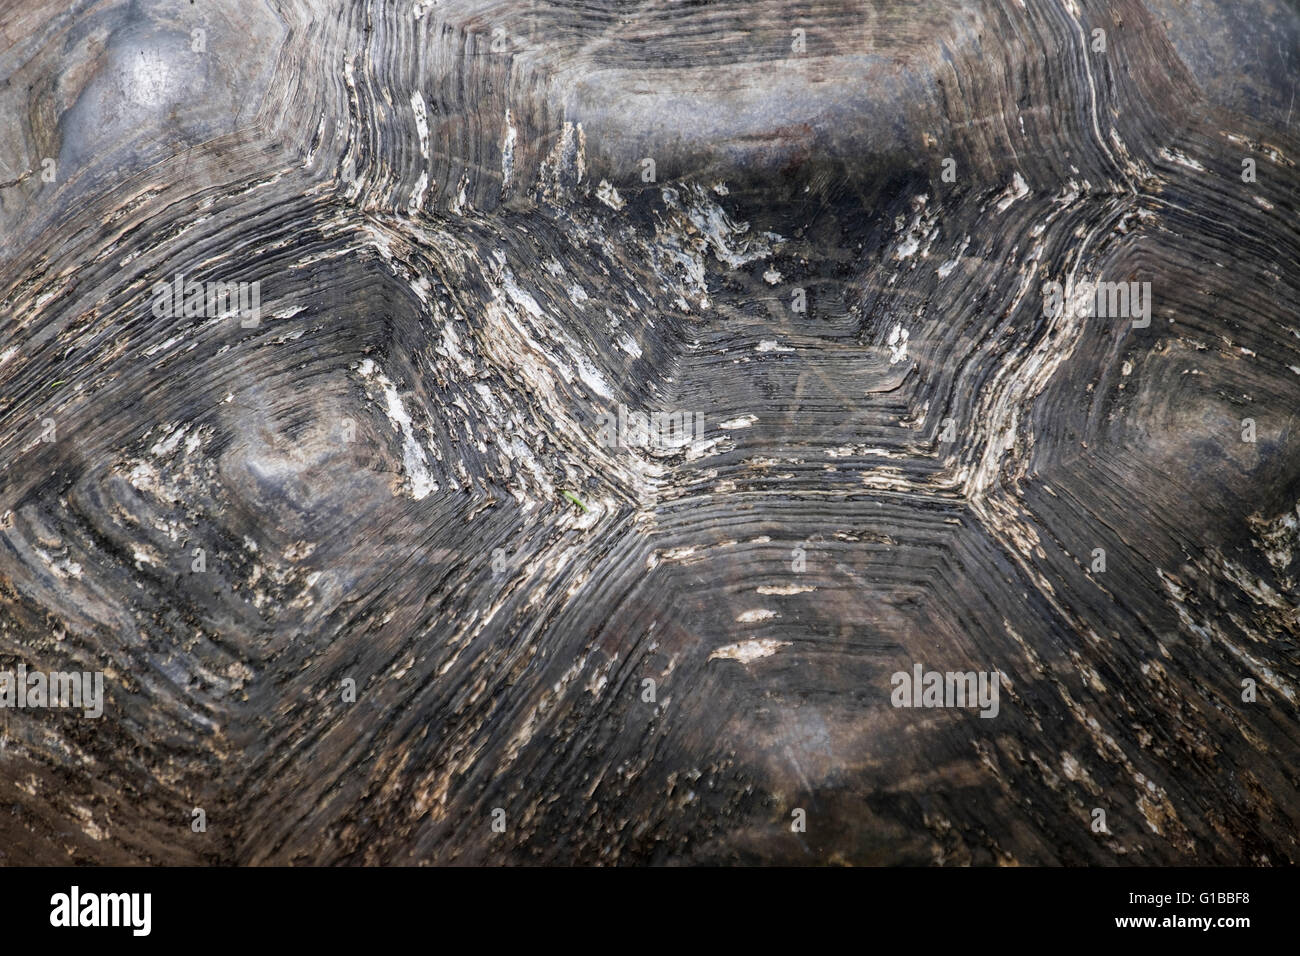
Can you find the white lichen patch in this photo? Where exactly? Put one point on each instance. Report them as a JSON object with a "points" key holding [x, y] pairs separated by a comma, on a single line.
{"points": [[508, 152], [607, 194], [1017, 190], [1182, 159], [746, 652], [742, 421], [415, 462], [897, 343], [421, 121], [785, 589]]}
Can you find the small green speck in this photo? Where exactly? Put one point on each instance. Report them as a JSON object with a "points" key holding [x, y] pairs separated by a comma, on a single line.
{"points": [[575, 499], [62, 381]]}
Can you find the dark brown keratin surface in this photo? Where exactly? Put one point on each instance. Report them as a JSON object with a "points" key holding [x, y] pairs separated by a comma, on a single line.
{"points": [[462, 267]]}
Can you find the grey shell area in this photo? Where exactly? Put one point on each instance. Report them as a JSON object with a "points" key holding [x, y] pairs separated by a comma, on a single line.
{"points": [[434, 480]]}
